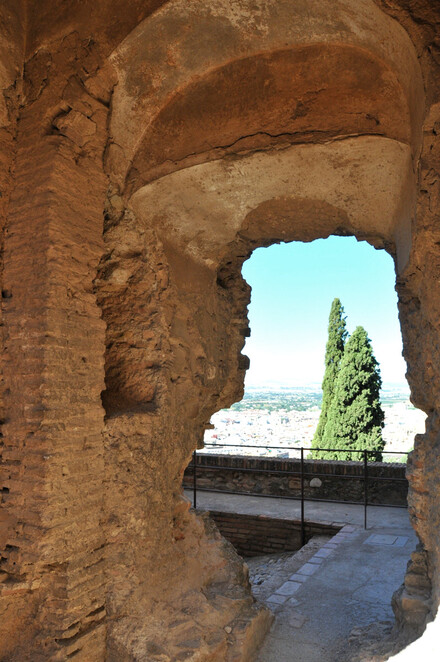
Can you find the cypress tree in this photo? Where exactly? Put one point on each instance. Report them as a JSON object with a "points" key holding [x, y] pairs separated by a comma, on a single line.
{"points": [[333, 354], [355, 418]]}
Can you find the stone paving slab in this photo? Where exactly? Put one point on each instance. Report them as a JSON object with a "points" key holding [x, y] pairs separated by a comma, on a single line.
{"points": [[308, 569], [298, 578], [288, 588], [397, 541], [316, 559], [376, 539], [277, 599], [401, 541], [296, 619]]}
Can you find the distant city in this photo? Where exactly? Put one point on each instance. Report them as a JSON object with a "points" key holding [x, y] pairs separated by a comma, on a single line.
{"points": [[287, 417]]}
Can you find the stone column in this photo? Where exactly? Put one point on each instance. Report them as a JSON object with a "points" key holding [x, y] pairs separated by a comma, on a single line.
{"points": [[52, 553]]}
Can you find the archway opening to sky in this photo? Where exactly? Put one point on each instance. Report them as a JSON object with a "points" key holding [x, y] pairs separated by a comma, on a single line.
{"points": [[293, 286]]}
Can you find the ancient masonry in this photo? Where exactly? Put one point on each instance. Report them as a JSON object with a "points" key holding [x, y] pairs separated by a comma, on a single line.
{"points": [[146, 148]]}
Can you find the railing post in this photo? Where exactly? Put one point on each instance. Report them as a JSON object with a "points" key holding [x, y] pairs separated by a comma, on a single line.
{"points": [[195, 479], [365, 488], [303, 526]]}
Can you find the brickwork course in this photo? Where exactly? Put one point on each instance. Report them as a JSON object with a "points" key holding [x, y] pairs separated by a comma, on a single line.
{"points": [[254, 535]]}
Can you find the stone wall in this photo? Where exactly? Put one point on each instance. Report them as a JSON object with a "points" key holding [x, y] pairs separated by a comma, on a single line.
{"points": [[53, 561], [341, 481]]}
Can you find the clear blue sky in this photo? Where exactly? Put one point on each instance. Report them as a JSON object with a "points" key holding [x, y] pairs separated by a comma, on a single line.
{"points": [[293, 286]]}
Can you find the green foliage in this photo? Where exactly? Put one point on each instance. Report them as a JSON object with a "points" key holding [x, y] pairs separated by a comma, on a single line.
{"points": [[355, 417], [333, 355]]}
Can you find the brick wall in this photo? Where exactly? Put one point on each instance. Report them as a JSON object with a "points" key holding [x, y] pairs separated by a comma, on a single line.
{"points": [[343, 481], [53, 370], [253, 535]]}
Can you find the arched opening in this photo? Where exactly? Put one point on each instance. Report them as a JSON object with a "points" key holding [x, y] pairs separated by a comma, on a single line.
{"points": [[175, 303], [383, 549], [184, 215], [293, 286]]}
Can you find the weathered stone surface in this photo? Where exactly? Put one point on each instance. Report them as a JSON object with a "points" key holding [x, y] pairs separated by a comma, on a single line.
{"points": [[147, 147], [216, 38]]}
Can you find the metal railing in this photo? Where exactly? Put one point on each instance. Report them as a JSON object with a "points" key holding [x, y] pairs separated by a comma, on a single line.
{"points": [[302, 475]]}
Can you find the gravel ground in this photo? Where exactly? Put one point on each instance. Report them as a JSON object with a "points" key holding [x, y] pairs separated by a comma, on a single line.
{"points": [[267, 573]]}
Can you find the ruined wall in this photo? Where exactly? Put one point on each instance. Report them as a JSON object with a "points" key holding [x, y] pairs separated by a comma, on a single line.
{"points": [[419, 317], [11, 63], [53, 368], [78, 558], [143, 177], [206, 215], [182, 194], [156, 364]]}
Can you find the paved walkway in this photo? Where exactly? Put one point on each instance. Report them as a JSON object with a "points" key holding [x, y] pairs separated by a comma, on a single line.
{"points": [[348, 583], [315, 511]]}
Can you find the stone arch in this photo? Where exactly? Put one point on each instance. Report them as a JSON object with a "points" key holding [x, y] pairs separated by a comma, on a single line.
{"points": [[157, 74], [212, 202], [306, 94], [303, 60], [199, 224], [208, 218], [181, 222]]}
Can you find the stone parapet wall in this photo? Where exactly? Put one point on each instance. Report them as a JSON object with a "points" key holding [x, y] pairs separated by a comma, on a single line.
{"points": [[341, 481]]}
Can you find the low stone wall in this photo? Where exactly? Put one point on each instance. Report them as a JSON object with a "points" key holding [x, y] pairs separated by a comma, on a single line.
{"points": [[341, 481], [253, 535]]}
